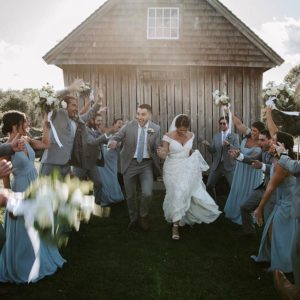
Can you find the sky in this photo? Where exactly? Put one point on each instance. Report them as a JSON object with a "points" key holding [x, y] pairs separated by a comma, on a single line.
{"points": [[30, 28]]}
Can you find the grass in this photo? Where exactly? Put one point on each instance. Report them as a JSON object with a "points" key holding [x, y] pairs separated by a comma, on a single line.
{"points": [[106, 261]]}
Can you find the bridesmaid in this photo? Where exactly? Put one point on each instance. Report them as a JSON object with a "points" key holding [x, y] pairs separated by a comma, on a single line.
{"points": [[18, 261], [245, 177], [277, 237], [111, 190]]}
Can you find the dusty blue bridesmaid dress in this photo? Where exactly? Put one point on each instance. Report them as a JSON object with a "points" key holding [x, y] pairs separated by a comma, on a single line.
{"points": [[18, 257]]}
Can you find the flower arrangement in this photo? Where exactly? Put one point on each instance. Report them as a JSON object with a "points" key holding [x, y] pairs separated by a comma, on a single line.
{"points": [[58, 206], [85, 89], [150, 130], [282, 95], [46, 98], [220, 98]]}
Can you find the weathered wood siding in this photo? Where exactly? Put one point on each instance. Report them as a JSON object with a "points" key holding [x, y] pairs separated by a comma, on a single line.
{"points": [[117, 35], [174, 90]]}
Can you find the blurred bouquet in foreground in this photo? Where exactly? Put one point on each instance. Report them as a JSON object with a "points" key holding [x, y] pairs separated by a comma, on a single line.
{"points": [[53, 206], [220, 98]]}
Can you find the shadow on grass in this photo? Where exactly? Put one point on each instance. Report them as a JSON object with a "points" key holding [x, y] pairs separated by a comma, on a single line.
{"points": [[106, 261]]}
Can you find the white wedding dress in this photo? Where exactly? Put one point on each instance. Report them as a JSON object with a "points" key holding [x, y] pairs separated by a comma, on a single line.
{"points": [[186, 200]]}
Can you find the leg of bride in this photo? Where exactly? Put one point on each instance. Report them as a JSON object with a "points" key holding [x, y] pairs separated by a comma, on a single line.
{"points": [[175, 231]]}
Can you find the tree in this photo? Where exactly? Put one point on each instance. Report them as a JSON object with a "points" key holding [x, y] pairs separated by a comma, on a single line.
{"points": [[293, 76]]}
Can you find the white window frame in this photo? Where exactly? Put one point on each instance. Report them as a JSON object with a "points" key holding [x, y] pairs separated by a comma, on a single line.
{"points": [[154, 24]]}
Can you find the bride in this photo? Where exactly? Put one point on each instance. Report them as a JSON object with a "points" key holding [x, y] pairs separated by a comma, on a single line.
{"points": [[186, 200]]}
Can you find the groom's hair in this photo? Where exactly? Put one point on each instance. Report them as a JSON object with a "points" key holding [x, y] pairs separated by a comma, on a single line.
{"points": [[68, 99], [182, 121], [224, 118], [146, 106]]}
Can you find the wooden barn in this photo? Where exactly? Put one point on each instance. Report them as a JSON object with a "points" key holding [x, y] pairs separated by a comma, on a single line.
{"points": [[171, 54]]}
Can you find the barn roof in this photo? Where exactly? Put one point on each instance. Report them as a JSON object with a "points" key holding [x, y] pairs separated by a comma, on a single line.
{"points": [[230, 42]]}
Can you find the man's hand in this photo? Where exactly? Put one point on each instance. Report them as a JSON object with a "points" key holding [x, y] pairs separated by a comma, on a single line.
{"points": [[17, 144], [100, 96], [256, 164], [112, 144], [280, 148], [102, 109], [5, 167], [234, 153]]}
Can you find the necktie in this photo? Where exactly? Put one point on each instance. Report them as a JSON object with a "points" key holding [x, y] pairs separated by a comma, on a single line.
{"points": [[141, 144]]}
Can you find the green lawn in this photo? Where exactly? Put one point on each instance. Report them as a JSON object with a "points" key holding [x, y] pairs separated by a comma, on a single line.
{"points": [[106, 261]]}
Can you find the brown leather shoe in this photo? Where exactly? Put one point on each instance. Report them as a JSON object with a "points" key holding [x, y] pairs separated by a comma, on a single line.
{"points": [[284, 287], [144, 223], [132, 224]]}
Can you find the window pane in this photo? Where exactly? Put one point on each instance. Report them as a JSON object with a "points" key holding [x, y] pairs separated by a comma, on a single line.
{"points": [[174, 33], [167, 33], [151, 12], [159, 22], [167, 23], [159, 32], [151, 22], [159, 13], [174, 23], [174, 13], [151, 32], [167, 12]]}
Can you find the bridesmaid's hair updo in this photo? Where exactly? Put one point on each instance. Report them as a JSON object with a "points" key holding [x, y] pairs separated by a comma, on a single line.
{"points": [[182, 121], [12, 118], [288, 141], [260, 126]]}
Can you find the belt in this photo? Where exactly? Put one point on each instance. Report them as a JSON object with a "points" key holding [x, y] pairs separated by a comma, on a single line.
{"points": [[144, 159]]}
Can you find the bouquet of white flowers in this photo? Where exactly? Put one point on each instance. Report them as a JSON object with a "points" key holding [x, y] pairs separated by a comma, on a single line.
{"points": [[53, 206], [280, 95], [220, 98], [46, 98], [85, 89]]}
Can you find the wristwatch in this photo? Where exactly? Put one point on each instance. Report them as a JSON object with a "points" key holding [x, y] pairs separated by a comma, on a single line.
{"points": [[286, 152]]}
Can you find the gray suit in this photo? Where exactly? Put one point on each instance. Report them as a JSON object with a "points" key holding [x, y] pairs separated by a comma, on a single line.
{"points": [[222, 163], [58, 157], [254, 198], [293, 167], [133, 171]]}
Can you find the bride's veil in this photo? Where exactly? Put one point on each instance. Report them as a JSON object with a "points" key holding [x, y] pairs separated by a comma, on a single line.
{"points": [[172, 126]]}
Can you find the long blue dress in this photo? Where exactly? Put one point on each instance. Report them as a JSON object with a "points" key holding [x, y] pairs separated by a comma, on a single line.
{"points": [[245, 179], [111, 190], [18, 257], [279, 251]]}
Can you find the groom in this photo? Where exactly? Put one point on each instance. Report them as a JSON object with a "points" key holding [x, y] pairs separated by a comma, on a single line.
{"points": [[139, 159]]}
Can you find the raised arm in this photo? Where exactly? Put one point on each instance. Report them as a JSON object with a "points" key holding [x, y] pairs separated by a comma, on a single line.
{"points": [[270, 123], [45, 142], [239, 124]]}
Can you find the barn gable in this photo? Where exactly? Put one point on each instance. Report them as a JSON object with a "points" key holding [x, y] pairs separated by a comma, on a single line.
{"points": [[209, 35]]}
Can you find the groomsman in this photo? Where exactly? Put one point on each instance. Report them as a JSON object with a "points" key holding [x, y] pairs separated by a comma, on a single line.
{"points": [[261, 161], [65, 122], [139, 159], [223, 164]]}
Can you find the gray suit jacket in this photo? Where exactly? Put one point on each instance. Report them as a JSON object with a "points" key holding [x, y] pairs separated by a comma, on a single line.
{"points": [[217, 149], [5, 150], [264, 157], [61, 155], [128, 136], [293, 167]]}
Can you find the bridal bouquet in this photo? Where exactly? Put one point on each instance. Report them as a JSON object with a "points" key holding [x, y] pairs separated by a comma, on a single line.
{"points": [[46, 99], [53, 206], [280, 95], [220, 98], [85, 89]]}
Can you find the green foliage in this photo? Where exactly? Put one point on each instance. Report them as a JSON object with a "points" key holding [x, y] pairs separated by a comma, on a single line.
{"points": [[293, 76]]}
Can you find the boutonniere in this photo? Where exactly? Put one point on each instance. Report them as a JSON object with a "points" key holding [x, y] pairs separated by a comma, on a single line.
{"points": [[150, 131]]}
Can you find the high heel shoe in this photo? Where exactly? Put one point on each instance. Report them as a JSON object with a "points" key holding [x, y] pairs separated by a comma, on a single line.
{"points": [[175, 232]]}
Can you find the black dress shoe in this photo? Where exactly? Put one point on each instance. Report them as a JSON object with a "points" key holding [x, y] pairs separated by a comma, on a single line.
{"points": [[284, 287], [132, 224], [144, 223]]}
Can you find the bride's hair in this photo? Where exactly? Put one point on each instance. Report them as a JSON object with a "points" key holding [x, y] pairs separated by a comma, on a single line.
{"points": [[182, 121]]}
